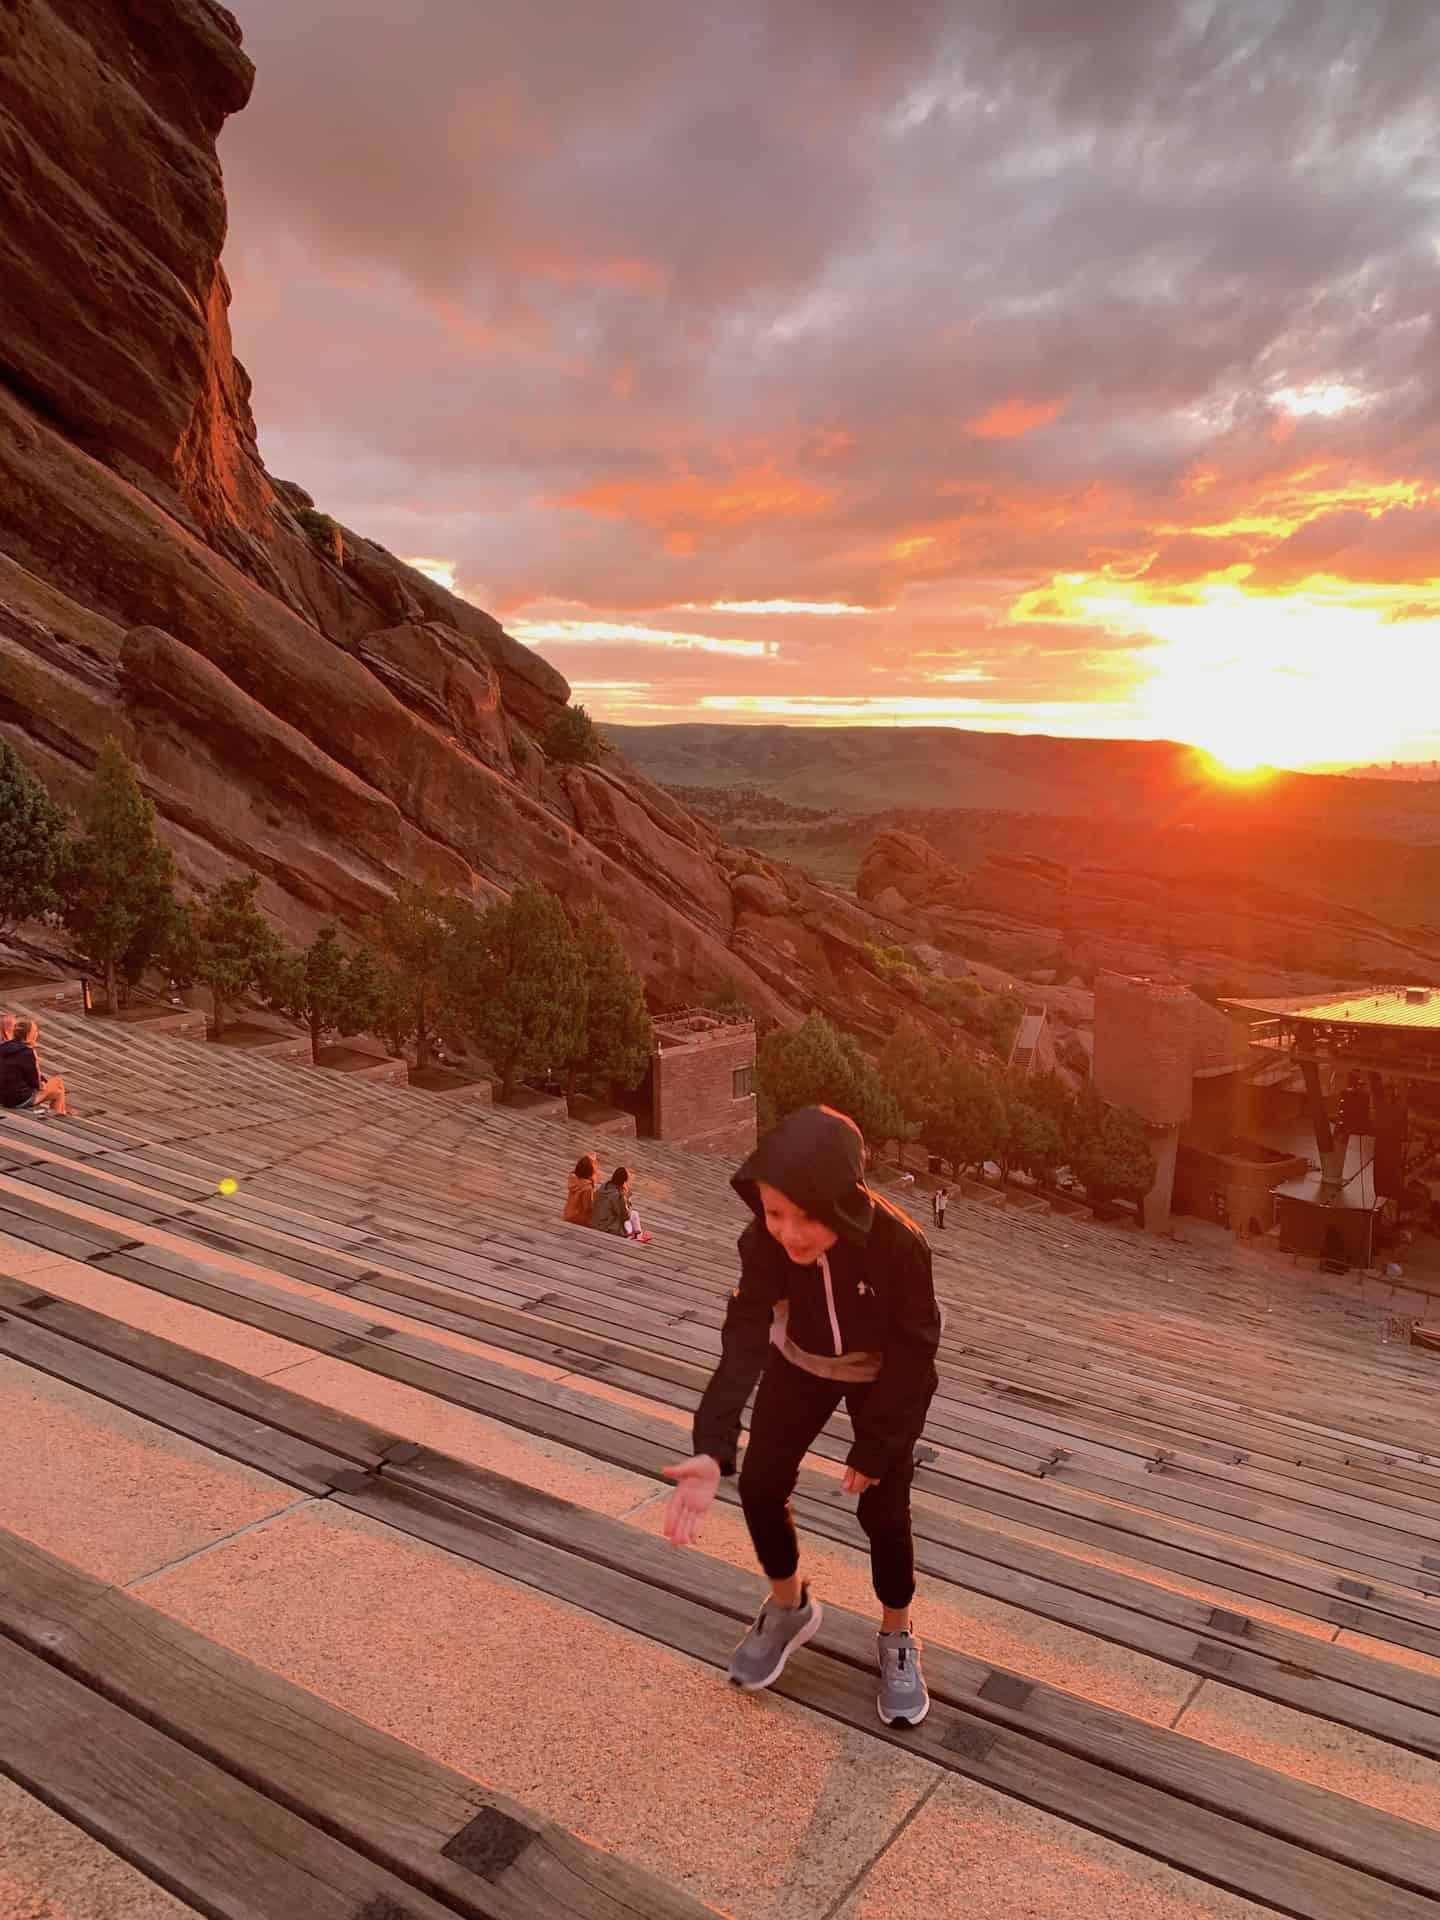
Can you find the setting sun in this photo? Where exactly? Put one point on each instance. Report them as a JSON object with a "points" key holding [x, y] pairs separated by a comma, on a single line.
{"points": [[1320, 677]]}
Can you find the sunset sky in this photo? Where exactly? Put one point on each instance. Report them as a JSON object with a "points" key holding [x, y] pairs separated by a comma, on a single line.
{"points": [[1046, 365]]}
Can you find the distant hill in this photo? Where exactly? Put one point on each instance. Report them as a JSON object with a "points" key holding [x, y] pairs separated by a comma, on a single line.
{"points": [[1154, 783]]}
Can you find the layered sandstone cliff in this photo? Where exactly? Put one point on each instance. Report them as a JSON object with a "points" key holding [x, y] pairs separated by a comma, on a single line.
{"points": [[298, 700]]}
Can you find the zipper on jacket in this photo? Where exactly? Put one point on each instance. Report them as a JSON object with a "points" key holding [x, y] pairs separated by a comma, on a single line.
{"points": [[830, 1305]]}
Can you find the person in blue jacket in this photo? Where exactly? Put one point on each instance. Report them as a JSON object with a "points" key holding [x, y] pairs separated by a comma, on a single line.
{"points": [[835, 1302]]}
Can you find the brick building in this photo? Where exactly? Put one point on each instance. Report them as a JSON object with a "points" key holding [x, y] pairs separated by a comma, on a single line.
{"points": [[701, 1082]]}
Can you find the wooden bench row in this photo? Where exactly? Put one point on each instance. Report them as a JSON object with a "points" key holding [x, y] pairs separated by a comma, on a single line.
{"points": [[244, 1795], [1297, 1848]]}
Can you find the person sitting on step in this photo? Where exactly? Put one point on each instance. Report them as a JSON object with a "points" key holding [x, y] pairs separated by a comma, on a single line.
{"points": [[580, 1193], [23, 1088], [612, 1212]]}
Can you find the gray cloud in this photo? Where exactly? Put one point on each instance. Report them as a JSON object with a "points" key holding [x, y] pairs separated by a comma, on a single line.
{"points": [[660, 304]]}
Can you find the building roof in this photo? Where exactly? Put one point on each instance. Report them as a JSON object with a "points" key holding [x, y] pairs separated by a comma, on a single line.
{"points": [[1356, 1196], [1382, 1007]]}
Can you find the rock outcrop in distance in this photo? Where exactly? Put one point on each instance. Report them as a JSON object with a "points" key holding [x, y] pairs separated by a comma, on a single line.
{"points": [[1046, 919], [297, 699]]}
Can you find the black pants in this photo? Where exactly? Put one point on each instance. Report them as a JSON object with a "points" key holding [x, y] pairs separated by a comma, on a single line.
{"points": [[790, 1409]]}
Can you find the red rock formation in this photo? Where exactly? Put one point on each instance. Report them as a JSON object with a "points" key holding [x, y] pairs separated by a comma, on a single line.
{"points": [[901, 872], [297, 699], [1032, 913]]}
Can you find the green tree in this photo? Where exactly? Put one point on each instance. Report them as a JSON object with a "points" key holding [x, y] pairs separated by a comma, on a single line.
{"points": [[32, 844], [1030, 1136], [909, 1068], [873, 1107], [804, 1066], [965, 1121], [515, 981], [119, 876], [815, 1065], [1109, 1151], [162, 939], [231, 949], [415, 932], [331, 990], [394, 1008], [573, 738], [617, 1038]]}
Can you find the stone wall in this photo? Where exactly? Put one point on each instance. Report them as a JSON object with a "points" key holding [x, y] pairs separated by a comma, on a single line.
{"points": [[695, 1102], [1230, 1189], [1144, 1047]]}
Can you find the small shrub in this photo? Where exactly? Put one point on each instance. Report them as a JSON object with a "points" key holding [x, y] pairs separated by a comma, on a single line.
{"points": [[572, 738], [887, 960], [319, 529]]}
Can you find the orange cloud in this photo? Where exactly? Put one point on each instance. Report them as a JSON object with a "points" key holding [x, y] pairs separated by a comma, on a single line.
{"points": [[1009, 419], [680, 501]]}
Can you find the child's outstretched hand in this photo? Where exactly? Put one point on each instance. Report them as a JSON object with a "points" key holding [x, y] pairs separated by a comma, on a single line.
{"points": [[696, 1483]]}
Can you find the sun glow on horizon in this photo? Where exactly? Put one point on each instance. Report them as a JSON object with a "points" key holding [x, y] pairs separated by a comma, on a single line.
{"points": [[1298, 680]]}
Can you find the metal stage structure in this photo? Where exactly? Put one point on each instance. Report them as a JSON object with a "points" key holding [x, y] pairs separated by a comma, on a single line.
{"points": [[1367, 1051]]}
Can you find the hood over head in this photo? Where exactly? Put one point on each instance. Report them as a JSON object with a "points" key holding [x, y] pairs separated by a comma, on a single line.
{"points": [[815, 1157]]}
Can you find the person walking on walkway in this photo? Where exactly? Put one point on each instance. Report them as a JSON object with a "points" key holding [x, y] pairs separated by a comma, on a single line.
{"points": [[939, 1203], [835, 1302]]}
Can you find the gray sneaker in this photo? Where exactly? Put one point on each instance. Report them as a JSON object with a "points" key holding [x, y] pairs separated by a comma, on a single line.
{"points": [[904, 1699], [777, 1632]]}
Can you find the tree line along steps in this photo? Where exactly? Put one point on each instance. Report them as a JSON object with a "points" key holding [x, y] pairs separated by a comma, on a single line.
{"points": [[322, 1208], [1298, 1847]]}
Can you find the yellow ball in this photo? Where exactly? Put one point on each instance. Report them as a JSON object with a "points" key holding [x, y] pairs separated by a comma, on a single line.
{"points": [[227, 1185]]}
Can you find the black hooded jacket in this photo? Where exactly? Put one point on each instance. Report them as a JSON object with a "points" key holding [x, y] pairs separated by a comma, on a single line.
{"points": [[884, 1297], [19, 1073]]}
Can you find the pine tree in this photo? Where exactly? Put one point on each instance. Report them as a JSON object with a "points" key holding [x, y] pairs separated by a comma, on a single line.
{"points": [[909, 1067], [119, 876], [1110, 1153], [163, 940], [331, 990], [415, 933], [233, 950], [964, 1123], [618, 1037], [32, 844], [1029, 1136], [394, 1008], [515, 981], [804, 1066]]}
